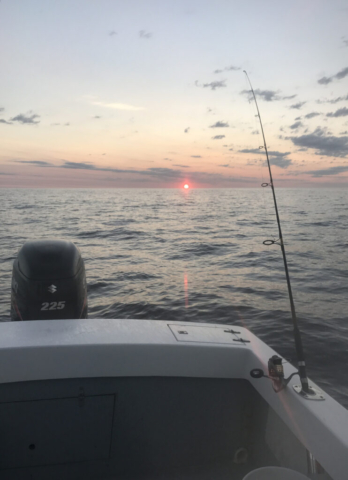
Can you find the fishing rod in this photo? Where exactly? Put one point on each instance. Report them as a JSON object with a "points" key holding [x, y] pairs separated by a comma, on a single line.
{"points": [[274, 367]]}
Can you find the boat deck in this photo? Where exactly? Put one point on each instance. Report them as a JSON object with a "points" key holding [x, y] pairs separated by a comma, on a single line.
{"points": [[107, 399]]}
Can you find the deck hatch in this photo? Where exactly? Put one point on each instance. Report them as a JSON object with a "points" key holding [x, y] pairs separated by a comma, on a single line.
{"points": [[56, 431], [204, 334]]}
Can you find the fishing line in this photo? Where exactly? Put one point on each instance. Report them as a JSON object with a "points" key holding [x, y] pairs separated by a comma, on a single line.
{"points": [[306, 390], [268, 213], [265, 270]]}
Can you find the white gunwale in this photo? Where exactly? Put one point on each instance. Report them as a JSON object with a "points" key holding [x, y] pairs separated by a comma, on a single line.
{"points": [[94, 348]]}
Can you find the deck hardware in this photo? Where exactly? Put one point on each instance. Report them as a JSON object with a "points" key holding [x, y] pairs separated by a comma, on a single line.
{"points": [[231, 331], [241, 340], [313, 394], [257, 373], [272, 242], [275, 373], [183, 332], [313, 466], [240, 455]]}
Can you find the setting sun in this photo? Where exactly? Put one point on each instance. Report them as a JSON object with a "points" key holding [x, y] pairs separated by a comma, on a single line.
{"points": [[186, 186]]}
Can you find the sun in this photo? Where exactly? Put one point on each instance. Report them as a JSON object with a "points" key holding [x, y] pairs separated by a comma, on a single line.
{"points": [[186, 186]]}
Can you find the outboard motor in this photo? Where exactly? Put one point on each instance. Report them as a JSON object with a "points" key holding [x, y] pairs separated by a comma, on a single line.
{"points": [[48, 282]]}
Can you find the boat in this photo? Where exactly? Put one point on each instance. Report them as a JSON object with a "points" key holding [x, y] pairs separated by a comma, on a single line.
{"points": [[108, 399]]}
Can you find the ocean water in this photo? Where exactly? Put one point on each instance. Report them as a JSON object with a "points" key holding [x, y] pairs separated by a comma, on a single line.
{"points": [[198, 256]]}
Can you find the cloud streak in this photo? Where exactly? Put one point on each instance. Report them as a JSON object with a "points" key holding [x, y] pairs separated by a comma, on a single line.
{"points": [[333, 100], [341, 112], [227, 69], [276, 158], [220, 125], [38, 163], [326, 145], [312, 115], [297, 106], [212, 85], [338, 76], [166, 175], [266, 95], [296, 125], [328, 171], [145, 34], [26, 119], [158, 172]]}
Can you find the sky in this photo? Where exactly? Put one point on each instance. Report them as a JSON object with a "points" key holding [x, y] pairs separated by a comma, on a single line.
{"points": [[115, 94]]}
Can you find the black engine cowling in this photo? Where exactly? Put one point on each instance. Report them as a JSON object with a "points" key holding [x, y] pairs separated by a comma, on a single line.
{"points": [[48, 282]]}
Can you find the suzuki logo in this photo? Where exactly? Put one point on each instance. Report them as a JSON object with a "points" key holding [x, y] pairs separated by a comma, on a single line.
{"points": [[52, 288]]}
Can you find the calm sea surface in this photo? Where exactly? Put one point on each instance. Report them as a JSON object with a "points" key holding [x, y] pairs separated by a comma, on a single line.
{"points": [[198, 256]]}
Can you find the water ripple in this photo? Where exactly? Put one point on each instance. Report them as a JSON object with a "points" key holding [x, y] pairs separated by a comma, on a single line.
{"points": [[198, 256]]}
